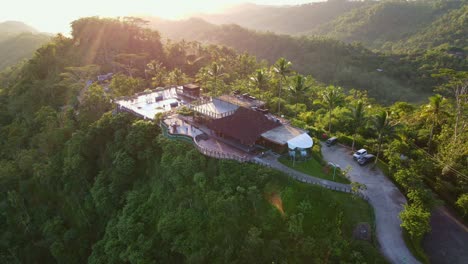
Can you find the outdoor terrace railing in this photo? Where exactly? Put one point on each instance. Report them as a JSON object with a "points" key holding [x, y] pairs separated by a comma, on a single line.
{"points": [[220, 155]]}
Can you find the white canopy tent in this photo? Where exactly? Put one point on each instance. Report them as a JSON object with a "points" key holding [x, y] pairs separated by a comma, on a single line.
{"points": [[303, 141]]}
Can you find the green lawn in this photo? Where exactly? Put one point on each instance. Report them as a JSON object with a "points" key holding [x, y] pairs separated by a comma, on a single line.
{"points": [[313, 168]]}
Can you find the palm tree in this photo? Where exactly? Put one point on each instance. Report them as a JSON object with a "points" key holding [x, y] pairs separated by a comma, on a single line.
{"points": [[382, 124], [282, 68], [299, 88], [260, 80], [177, 77], [331, 96], [358, 118], [157, 72], [215, 72], [434, 112]]}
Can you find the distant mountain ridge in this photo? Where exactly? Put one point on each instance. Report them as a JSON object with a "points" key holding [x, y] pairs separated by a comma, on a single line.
{"points": [[382, 25], [16, 27], [18, 41], [287, 19]]}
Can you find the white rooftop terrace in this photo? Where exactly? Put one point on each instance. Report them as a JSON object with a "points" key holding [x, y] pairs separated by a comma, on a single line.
{"points": [[146, 105]]}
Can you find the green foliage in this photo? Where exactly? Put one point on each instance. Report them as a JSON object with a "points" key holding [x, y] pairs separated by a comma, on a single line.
{"points": [[387, 77], [80, 183], [315, 168], [185, 111], [123, 85], [462, 202], [95, 103], [134, 43], [331, 97], [415, 220]]}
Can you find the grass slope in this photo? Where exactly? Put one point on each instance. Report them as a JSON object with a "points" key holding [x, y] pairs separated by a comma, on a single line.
{"points": [[313, 168]]}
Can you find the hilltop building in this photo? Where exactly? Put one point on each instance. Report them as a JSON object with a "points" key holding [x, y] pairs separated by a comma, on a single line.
{"points": [[239, 120]]}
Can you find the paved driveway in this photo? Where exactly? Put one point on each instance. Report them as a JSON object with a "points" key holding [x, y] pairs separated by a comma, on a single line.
{"points": [[386, 199], [448, 240]]}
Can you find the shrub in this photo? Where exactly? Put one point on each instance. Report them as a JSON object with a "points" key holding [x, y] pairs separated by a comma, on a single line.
{"points": [[185, 111], [315, 132]]}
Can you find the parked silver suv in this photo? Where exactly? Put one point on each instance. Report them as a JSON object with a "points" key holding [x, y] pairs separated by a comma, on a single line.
{"points": [[360, 153]]}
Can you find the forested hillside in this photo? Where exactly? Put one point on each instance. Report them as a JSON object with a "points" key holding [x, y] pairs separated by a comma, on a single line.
{"points": [[449, 30], [388, 78], [18, 41], [383, 25], [80, 183]]}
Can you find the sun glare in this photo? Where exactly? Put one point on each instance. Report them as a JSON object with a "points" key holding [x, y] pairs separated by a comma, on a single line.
{"points": [[55, 15]]}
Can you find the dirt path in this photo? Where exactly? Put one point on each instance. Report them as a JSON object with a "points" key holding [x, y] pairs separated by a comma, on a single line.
{"points": [[448, 240], [386, 199]]}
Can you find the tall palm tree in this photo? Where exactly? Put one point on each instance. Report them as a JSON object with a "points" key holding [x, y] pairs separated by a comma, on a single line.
{"points": [[177, 77], [434, 111], [215, 72], [299, 88], [384, 128], [358, 117], [157, 72], [331, 96], [260, 79], [282, 68]]}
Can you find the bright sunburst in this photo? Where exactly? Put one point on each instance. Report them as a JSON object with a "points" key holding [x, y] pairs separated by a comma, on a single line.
{"points": [[55, 15]]}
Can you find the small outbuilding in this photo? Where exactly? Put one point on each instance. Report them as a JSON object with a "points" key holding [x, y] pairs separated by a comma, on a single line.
{"points": [[191, 89]]}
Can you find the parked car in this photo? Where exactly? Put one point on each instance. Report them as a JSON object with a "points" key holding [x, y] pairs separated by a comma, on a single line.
{"points": [[360, 153], [331, 141], [366, 159]]}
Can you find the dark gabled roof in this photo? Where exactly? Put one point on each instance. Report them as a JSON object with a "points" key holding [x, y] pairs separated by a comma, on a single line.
{"points": [[244, 125]]}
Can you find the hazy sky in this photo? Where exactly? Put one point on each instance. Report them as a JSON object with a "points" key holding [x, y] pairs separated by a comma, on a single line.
{"points": [[55, 15]]}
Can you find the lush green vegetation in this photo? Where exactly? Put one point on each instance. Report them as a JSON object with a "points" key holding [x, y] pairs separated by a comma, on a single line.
{"points": [[411, 24], [314, 168], [387, 77], [390, 25], [81, 184]]}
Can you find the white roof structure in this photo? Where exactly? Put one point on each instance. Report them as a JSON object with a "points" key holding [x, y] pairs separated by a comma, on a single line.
{"points": [[287, 134], [216, 108], [146, 104], [303, 141]]}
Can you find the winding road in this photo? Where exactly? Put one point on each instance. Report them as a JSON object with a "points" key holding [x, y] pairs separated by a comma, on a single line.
{"points": [[382, 194], [386, 199], [447, 243]]}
